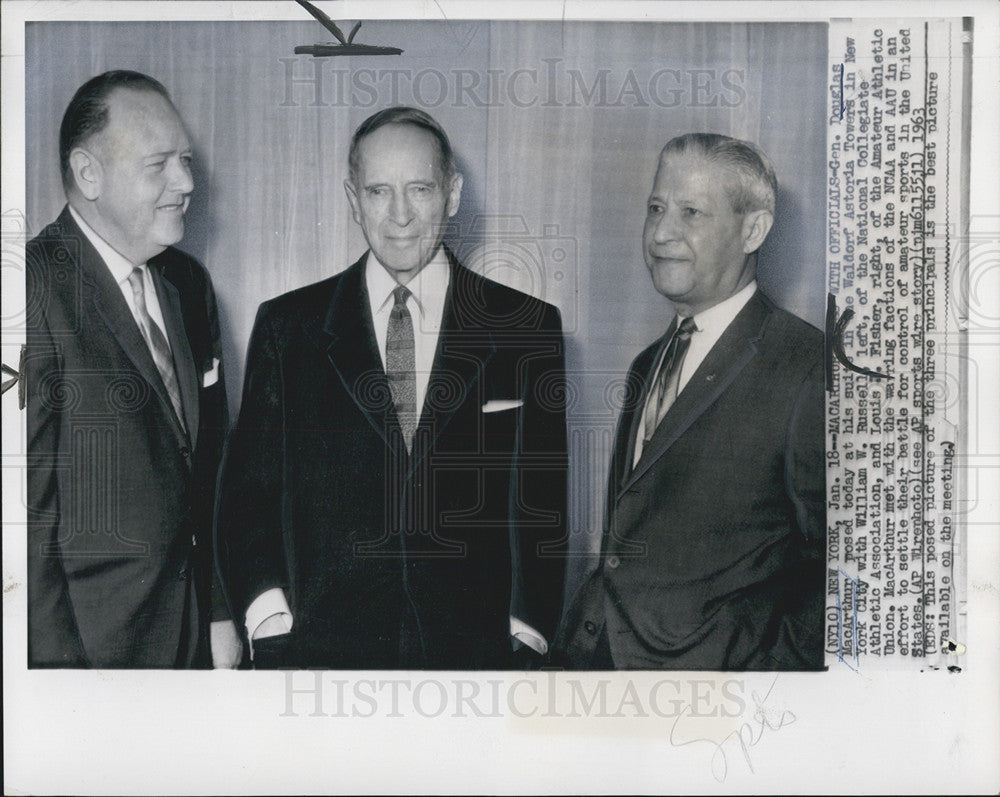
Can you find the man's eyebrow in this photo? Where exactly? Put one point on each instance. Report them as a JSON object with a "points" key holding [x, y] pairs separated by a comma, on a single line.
{"points": [[168, 152], [683, 200], [408, 183]]}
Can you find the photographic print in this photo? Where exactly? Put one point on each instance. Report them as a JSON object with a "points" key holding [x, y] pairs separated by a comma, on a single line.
{"points": [[383, 380]]}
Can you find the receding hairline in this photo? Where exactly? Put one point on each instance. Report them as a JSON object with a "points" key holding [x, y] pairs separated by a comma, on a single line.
{"points": [[443, 164], [701, 159], [749, 172], [695, 155], [115, 95]]}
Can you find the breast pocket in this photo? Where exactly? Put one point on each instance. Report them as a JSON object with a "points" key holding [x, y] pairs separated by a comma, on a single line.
{"points": [[499, 423]]}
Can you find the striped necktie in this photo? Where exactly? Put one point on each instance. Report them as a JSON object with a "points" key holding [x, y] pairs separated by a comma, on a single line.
{"points": [[664, 390], [157, 344], [400, 364]]}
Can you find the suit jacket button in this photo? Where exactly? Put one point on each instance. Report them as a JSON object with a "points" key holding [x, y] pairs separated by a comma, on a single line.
{"points": [[590, 627], [182, 574], [185, 452], [613, 561]]}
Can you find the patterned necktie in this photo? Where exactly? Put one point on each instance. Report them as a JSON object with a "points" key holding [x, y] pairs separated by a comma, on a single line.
{"points": [[665, 388], [157, 344], [400, 364]]}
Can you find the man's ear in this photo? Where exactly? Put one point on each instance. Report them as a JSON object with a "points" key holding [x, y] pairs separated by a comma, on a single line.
{"points": [[87, 172], [756, 226], [352, 197], [455, 194]]}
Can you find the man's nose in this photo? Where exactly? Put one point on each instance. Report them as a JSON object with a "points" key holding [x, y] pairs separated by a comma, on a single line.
{"points": [[181, 179], [399, 209], [666, 226]]}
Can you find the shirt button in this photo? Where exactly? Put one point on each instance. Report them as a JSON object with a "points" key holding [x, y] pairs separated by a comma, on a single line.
{"points": [[613, 561], [590, 627]]}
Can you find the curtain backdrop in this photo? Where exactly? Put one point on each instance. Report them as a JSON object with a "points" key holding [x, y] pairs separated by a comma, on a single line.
{"points": [[557, 128]]}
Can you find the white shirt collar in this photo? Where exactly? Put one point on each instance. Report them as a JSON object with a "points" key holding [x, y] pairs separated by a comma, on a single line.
{"points": [[715, 319], [429, 287], [120, 269], [119, 265], [710, 323]]}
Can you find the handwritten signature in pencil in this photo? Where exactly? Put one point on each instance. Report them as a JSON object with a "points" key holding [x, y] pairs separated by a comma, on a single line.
{"points": [[764, 719]]}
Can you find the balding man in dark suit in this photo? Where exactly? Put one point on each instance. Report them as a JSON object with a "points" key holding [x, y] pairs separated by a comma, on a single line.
{"points": [[394, 491], [126, 402], [713, 554]]}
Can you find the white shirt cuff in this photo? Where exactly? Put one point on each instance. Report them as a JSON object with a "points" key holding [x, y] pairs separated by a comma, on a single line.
{"points": [[267, 604], [527, 635]]}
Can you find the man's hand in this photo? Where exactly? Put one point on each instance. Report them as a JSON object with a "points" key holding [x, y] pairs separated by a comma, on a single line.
{"points": [[227, 649]]}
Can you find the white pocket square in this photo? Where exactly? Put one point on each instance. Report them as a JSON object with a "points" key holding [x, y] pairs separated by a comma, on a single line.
{"points": [[499, 405], [211, 376]]}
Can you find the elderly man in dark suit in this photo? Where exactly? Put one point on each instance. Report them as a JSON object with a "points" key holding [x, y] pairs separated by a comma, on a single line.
{"points": [[125, 399], [712, 557], [393, 493]]}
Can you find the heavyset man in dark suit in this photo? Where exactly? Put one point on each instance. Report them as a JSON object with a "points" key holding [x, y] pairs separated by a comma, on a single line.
{"points": [[713, 553], [126, 404], [393, 493]]}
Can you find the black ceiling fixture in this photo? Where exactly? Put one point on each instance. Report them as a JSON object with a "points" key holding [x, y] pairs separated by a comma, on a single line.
{"points": [[346, 45]]}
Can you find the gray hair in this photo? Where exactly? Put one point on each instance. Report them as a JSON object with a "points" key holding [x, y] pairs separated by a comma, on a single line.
{"points": [[755, 185], [401, 115]]}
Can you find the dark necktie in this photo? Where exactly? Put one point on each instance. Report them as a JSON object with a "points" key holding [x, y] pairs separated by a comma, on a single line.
{"points": [[157, 344], [400, 364], [665, 388]]}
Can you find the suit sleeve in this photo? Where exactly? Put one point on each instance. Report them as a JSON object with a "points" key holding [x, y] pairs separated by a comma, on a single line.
{"points": [[53, 635], [538, 505], [806, 461], [249, 542], [799, 644]]}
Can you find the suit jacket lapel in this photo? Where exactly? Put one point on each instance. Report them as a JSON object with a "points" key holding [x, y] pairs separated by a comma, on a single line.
{"points": [[637, 388], [173, 318], [112, 308], [348, 336], [628, 422], [464, 348], [721, 366]]}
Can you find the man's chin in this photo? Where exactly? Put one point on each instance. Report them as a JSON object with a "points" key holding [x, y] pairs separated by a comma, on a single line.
{"points": [[402, 266], [668, 287], [158, 248], [170, 235]]}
